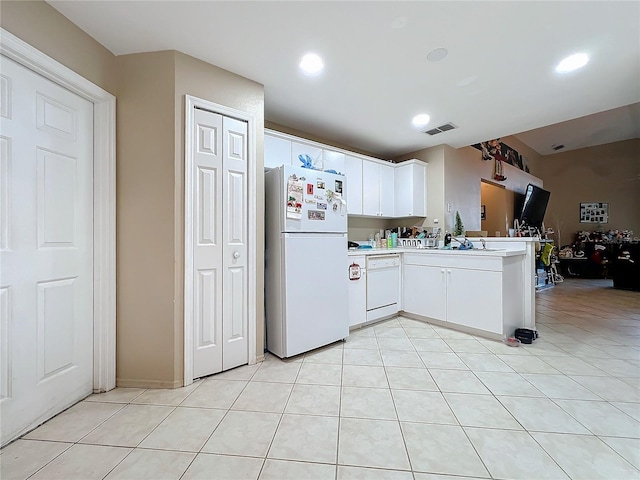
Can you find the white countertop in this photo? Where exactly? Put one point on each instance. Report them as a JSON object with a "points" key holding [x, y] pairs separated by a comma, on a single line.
{"points": [[435, 251]]}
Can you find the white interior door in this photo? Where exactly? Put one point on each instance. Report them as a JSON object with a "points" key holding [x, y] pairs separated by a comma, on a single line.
{"points": [[207, 249], [235, 350], [220, 243], [46, 243]]}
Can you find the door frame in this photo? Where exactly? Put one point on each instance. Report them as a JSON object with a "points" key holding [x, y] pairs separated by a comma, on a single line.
{"points": [[191, 103], [104, 198]]}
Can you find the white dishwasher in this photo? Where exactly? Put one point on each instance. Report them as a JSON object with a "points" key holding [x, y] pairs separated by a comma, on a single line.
{"points": [[383, 286]]}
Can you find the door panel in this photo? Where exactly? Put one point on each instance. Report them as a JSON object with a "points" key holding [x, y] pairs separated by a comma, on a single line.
{"points": [[475, 307], [353, 172], [370, 189], [277, 151], [424, 291], [47, 248], [387, 197], [206, 314], [208, 248], [235, 313]]}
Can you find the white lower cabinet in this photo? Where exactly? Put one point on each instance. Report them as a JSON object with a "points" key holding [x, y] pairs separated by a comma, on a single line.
{"points": [[474, 299], [483, 293], [424, 291], [357, 292]]}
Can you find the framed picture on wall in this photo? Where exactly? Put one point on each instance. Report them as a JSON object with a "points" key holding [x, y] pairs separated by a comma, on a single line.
{"points": [[483, 212], [594, 213]]}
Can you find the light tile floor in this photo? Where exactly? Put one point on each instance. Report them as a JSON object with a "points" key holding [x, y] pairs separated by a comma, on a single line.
{"points": [[399, 400]]}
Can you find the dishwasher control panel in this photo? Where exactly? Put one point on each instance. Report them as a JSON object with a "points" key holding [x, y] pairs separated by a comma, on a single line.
{"points": [[383, 261]]}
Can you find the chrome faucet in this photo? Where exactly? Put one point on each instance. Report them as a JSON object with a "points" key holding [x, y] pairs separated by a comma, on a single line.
{"points": [[465, 244], [484, 244]]}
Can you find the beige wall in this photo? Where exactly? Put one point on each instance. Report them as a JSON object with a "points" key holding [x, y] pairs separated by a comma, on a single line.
{"points": [[146, 340], [41, 26], [606, 173]]}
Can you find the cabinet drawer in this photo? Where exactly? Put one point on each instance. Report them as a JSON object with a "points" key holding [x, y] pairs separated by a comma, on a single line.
{"points": [[455, 260]]}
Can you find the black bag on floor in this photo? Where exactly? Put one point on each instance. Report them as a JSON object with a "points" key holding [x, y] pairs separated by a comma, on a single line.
{"points": [[526, 335]]}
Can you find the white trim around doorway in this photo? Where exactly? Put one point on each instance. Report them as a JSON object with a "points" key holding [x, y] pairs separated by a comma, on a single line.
{"points": [[104, 198], [190, 104]]}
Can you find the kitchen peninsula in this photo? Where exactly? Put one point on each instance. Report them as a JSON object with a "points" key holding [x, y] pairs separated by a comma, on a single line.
{"points": [[483, 292]]}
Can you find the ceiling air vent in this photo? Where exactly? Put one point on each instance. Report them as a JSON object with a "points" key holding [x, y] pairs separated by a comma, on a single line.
{"points": [[441, 128], [557, 147]]}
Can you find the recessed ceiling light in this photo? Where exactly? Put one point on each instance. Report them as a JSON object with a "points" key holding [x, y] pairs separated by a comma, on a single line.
{"points": [[437, 54], [311, 64], [421, 120], [572, 62]]}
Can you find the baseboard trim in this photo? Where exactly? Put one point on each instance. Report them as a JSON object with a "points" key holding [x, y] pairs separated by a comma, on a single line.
{"points": [[135, 383]]}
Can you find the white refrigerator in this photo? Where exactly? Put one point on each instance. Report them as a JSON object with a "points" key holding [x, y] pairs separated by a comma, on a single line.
{"points": [[306, 287]]}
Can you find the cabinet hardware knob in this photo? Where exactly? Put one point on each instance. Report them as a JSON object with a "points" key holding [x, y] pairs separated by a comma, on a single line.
{"points": [[236, 254]]}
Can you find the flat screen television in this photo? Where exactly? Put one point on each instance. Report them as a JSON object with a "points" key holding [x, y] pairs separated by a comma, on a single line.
{"points": [[534, 206]]}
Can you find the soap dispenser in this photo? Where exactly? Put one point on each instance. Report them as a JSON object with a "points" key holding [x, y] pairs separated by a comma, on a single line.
{"points": [[447, 239]]}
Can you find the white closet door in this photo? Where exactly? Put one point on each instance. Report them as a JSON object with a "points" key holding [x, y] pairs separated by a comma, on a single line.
{"points": [[46, 248], [235, 303], [220, 243], [208, 242]]}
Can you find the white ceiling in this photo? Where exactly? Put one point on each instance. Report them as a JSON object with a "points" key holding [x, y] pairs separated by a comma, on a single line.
{"points": [[498, 78]]}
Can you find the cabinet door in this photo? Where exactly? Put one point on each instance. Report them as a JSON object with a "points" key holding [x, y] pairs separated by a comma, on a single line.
{"points": [[419, 197], [333, 161], [353, 171], [277, 151], [358, 293], [315, 153], [410, 190], [386, 190], [425, 291], [370, 189], [474, 299]]}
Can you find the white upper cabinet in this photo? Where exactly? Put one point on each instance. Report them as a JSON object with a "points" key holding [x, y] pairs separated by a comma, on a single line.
{"points": [[411, 189], [387, 187], [277, 151], [309, 153], [333, 161], [377, 189], [374, 188], [353, 171]]}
